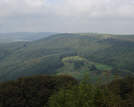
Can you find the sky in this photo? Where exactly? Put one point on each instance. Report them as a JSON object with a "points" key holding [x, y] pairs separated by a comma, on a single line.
{"points": [[103, 16]]}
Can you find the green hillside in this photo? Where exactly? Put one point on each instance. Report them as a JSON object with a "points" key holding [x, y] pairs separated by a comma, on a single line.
{"points": [[79, 67], [46, 56]]}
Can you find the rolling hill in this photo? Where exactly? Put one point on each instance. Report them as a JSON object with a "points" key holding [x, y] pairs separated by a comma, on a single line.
{"points": [[23, 36], [113, 53]]}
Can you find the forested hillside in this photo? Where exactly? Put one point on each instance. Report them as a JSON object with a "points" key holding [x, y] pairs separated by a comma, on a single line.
{"points": [[101, 54], [65, 91]]}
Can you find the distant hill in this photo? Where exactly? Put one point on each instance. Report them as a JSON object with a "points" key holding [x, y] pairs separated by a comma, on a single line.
{"points": [[23, 36], [106, 52]]}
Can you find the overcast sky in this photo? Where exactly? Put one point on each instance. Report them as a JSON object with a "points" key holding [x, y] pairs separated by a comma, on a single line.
{"points": [[106, 16]]}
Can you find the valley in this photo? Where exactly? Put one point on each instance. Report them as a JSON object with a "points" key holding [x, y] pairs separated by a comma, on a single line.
{"points": [[105, 53]]}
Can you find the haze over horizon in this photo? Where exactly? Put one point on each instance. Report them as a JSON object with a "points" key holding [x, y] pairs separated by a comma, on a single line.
{"points": [[102, 16]]}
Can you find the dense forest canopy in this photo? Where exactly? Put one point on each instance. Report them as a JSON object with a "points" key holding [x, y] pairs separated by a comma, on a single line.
{"points": [[33, 91], [65, 91]]}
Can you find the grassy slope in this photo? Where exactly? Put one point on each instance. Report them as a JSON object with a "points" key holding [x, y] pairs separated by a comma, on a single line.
{"points": [[78, 67]]}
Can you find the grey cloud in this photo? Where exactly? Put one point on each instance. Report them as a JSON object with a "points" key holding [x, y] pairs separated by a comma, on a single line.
{"points": [[112, 16]]}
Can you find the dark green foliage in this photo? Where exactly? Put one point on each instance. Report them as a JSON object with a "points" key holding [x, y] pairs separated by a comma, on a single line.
{"points": [[78, 96], [32, 91], [65, 91], [119, 93], [93, 68]]}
